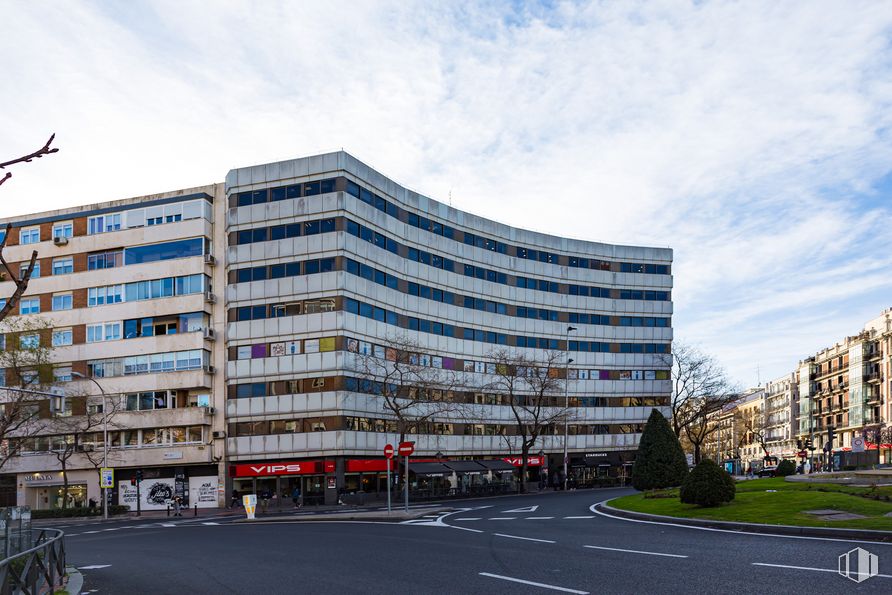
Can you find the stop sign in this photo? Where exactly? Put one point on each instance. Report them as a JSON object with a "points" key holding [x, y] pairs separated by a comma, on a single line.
{"points": [[406, 448], [388, 451]]}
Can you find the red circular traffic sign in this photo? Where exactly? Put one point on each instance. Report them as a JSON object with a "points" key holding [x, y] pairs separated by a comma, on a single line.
{"points": [[388, 451], [406, 448]]}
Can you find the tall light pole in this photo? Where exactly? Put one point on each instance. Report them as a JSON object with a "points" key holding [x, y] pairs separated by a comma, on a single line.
{"points": [[567, 402], [104, 438]]}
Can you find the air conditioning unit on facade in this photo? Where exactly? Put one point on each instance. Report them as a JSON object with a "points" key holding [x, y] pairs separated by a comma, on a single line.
{"points": [[210, 260], [210, 334], [60, 240], [212, 410], [210, 370], [219, 434], [210, 298]]}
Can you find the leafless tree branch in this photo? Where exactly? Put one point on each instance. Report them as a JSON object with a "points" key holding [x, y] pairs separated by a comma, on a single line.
{"points": [[44, 150]]}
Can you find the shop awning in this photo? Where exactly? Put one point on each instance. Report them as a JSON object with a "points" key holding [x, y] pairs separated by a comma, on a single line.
{"points": [[430, 469], [497, 465], [466, 467]]}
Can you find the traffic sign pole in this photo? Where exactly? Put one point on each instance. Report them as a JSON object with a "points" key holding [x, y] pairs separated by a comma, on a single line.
{"points": [[407, 483], [388, 454]]}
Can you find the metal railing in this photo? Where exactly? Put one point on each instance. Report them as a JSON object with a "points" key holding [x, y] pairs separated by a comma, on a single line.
{"points": [[38, 570]]}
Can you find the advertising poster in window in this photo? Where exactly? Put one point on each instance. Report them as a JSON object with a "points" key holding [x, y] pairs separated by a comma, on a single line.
{"points": [[378, 352], [365, 348], [243, 352], [490, 368], [353, 345], [469, 366], [203, 491], [276, 349], [480, 367], [436, 362], [390, 353], [155, 494], [625, 375], [292, 347], [637, 375], [311, 345], [425, 360], [650, 375], [327, 344], [583, 374], [573, 374]]}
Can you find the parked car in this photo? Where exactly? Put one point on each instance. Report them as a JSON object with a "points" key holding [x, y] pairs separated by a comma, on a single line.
{"points": [[768, 471]]}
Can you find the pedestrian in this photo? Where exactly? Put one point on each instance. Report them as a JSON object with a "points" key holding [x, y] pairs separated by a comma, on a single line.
{"points": [[295, 497], [92, 503], [177, 506], [264, 500], [235, 499]]}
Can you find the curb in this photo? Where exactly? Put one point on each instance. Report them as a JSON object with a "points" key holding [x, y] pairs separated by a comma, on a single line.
{"points": [[75, 583], [829, 532], [346, 516]]}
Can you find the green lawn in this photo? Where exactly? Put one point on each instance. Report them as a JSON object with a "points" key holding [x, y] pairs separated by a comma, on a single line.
{"points": [[755, 504]]}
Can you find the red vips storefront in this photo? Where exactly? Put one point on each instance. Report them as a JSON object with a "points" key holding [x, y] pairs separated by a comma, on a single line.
{"points": [[279, 478]]}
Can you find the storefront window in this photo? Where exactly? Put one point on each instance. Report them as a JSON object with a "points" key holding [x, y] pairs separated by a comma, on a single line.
{"points": [[77, 496]]}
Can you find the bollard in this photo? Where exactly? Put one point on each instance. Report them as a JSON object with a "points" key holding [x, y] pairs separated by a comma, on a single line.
{"points": [[168, 510], [196, 511]]}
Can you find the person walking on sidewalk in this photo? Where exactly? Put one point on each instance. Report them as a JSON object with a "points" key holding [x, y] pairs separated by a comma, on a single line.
{"points": [[177, 506], [295, 496]]}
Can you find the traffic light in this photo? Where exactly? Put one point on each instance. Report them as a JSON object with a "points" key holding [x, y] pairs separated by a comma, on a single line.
{"points": [[799, 445], [831, 435], [809, 444], [133, 481], [139, 475]]}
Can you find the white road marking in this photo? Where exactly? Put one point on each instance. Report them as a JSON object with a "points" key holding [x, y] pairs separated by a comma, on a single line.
{"points": [[89, 532], [810, 568], [532, 508], [94, 567], [71, 534], [534, 584], [502, 518], [579, 517], [210, 523], [616, 549], [168, 525], [469, 518], [619, 518], [524, 538], [539, 518]]}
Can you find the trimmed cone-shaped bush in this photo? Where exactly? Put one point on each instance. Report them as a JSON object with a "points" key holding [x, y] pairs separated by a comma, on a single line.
{"points": [[708, 485], [786, 467], [660, 462]]}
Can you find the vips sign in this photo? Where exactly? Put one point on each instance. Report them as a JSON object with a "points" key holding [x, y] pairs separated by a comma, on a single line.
{"points": [[284, 468], [531, 461]]}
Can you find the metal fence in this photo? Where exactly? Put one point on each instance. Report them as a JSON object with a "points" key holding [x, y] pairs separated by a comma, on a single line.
{"points": [[38, 570]]}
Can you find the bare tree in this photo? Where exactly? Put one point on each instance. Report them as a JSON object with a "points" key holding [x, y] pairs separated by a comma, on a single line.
{"points": [[700, 387], [411, 390], [21, 281], [73, 431], [25, 358], [532, 389]]}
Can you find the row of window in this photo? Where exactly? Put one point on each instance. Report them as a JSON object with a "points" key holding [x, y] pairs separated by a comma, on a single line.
{"points": [[427, 258], [147, 290], [181, 435], [435, 227], [193, 359], [368, 424]]}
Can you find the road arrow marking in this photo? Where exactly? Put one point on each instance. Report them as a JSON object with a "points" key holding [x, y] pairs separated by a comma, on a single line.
{"points": [[94, 567], [532, 508]]}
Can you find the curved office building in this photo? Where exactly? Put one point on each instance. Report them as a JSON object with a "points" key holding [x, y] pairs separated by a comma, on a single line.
{"points": [[331, 266]]}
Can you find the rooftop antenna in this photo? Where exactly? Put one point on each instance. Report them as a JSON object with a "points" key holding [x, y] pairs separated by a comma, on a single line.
{"points": [[758, 375], [450, 197]]}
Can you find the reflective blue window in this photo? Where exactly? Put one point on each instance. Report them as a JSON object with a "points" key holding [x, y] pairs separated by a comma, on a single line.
{"points": [[165, 251]]}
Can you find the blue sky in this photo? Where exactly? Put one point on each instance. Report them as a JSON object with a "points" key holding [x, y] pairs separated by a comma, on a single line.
{"points": [[753, 138]]}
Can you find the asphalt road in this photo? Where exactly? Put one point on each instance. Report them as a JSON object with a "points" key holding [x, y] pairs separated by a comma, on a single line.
{"points": [[525, 544]]}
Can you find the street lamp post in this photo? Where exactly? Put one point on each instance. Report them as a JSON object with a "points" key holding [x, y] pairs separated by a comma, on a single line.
{"points": [[104, 438], [567, 402]]}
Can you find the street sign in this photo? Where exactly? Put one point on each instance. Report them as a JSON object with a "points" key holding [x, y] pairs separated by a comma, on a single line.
{"points": [[106, 478], [406, 448], [803, 453], [858, 444], [388, 451]]}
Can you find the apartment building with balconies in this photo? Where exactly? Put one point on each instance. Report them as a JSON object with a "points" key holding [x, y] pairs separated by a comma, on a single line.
{"points": [[125, 291]]}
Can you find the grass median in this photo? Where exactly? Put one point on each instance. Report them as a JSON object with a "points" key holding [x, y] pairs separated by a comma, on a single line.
{"points": [[777, 502]]}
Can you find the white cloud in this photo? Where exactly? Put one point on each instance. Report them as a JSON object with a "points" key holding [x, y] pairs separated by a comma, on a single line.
{"points": [[741, 134]]}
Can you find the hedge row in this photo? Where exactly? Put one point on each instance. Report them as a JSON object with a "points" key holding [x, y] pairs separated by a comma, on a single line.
{"points": [[57, 513]]}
